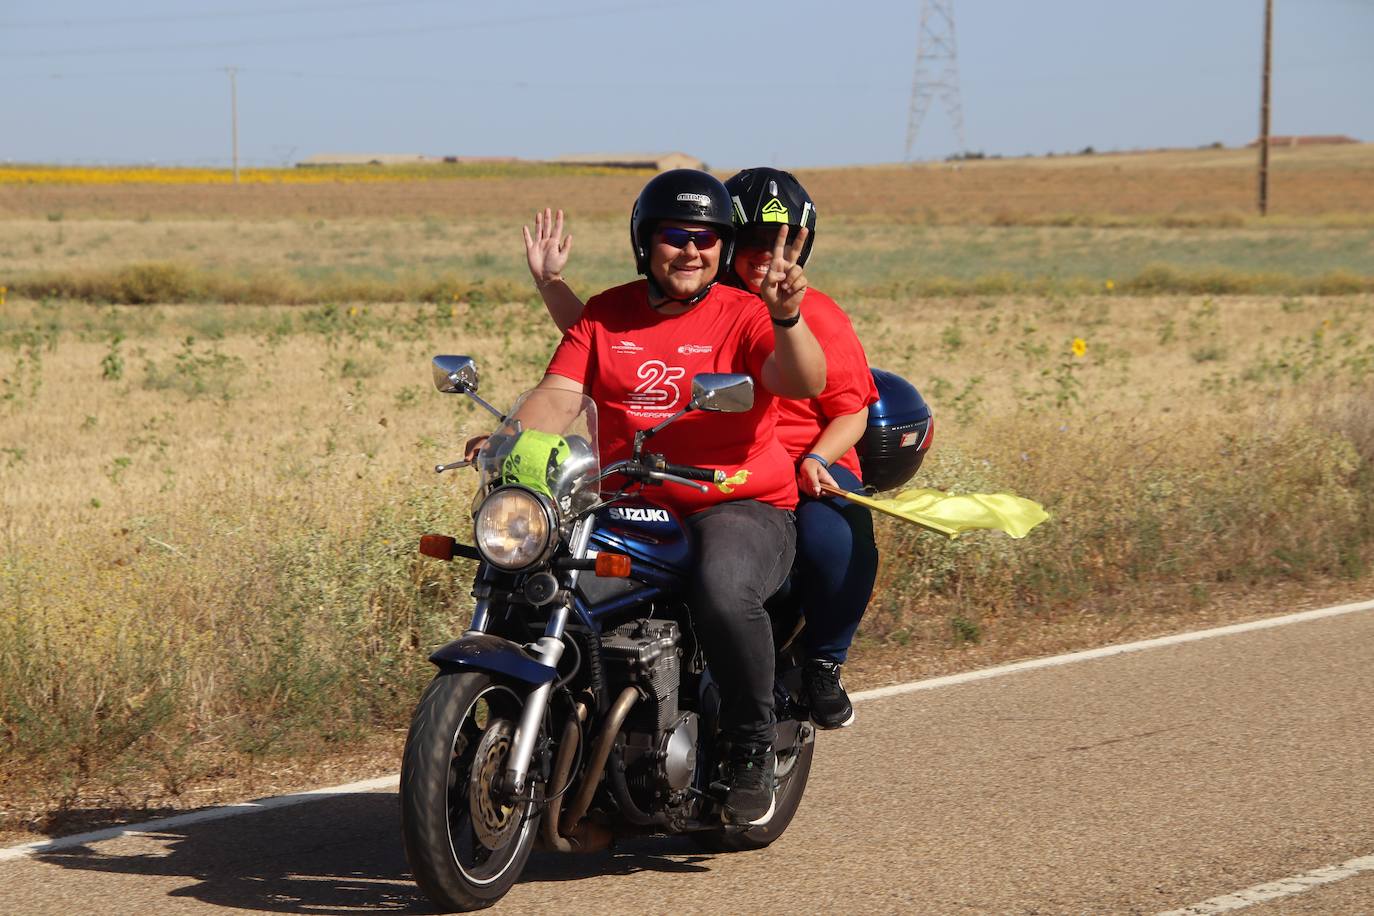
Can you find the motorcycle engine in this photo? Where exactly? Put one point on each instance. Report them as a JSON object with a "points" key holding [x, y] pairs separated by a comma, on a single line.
{"points": [[660, 740]]}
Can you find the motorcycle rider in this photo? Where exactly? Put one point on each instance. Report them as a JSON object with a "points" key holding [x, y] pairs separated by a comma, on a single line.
{"points": [[633, 350], [834, 537]]}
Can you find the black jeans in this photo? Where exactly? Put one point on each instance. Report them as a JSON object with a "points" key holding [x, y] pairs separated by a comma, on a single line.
{"points": [[744, 552]]}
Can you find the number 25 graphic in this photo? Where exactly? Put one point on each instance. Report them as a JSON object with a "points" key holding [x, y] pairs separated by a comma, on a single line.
{"points": [[657, 386]]}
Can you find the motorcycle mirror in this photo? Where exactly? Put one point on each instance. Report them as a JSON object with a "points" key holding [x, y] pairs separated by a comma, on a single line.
{"points": [[722, 392], [455, 374]]}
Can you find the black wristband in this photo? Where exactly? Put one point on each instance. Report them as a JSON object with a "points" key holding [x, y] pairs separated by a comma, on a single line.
{"points": [[787, 322]]}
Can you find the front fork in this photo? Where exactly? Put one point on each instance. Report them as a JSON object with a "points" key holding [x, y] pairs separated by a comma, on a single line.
{"points": [[548, 649]]}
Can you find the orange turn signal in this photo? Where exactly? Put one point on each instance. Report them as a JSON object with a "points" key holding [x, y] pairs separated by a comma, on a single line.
{"points": [[438, 546], [612, 565]]}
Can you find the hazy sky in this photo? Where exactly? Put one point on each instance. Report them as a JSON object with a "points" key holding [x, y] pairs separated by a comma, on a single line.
{"points": [[810, 82]]}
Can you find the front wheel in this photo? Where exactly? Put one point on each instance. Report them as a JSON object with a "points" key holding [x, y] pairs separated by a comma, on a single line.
{"points": [[466, 843], [793, 769]]}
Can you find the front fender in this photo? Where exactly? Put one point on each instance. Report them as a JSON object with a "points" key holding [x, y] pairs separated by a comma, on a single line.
{"points": [[485, 652]]}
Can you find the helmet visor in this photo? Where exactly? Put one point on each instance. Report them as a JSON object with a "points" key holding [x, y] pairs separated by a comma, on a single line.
{"points": [[757, 236]]}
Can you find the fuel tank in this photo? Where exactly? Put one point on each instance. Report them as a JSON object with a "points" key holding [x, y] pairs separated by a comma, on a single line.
{"points": [[651, 535]]}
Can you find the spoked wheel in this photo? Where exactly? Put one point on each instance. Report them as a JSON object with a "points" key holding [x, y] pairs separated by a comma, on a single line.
{"points": [[793, 770], [466, 843]]}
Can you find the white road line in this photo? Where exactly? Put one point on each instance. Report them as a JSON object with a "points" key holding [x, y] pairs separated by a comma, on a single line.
{"points": [[383, 782], [1107, 651], [1286, 887]]}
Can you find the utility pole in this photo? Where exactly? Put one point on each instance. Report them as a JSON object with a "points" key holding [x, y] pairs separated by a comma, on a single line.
{"points": [[234, 115], [937, 71], [1264, 109]]}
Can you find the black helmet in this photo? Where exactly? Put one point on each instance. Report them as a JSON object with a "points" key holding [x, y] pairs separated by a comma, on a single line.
{"points": [[687, 195], [771, 196], [900, 427]]}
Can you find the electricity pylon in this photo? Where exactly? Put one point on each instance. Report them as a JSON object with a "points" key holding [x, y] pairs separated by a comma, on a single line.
{"points": [[937, 70]]}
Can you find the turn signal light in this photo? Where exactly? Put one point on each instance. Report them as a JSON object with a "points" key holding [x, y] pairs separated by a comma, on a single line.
{"points": [[612, 565], [438, 546]]}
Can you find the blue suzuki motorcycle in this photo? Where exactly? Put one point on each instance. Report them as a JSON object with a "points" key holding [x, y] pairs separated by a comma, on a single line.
{"points": [[577, 706]]}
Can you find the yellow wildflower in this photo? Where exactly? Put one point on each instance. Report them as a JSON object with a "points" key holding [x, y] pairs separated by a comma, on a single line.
{"points": [[353, 312], [1111, 285], [3, 290], [1080, 346]]}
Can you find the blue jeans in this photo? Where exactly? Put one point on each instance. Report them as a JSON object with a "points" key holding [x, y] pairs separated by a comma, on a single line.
{"points": [[837, 562]]}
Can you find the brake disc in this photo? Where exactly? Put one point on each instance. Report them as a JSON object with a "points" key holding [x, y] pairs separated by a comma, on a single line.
{"points": [[495, 819]]}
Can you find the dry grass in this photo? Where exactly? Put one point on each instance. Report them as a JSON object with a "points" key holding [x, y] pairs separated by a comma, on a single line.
{"points": [[207, 546]]}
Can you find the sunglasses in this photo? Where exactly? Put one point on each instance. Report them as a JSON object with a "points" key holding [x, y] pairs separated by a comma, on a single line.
{"points": [[766, 236], [678, 238]]}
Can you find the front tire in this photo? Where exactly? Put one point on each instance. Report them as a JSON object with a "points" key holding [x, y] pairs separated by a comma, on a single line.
{"points": [[466, 846]]}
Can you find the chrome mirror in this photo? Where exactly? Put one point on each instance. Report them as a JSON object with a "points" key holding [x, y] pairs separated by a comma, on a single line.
{"points": [[722, 392], [455, 374]]}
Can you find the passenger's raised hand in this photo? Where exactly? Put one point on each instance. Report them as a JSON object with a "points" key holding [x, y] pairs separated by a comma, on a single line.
{"points": [[785, 283], [547, 249]]}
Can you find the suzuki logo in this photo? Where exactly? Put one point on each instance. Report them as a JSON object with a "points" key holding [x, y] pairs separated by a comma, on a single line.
{"points": [[636, 514]]}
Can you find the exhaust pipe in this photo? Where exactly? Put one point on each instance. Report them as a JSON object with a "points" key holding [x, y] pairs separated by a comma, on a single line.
{"points": [[567, 750], [596, 764]]}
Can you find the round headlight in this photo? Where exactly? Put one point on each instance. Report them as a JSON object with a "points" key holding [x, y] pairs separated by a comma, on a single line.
{"points": [[514, 528]]}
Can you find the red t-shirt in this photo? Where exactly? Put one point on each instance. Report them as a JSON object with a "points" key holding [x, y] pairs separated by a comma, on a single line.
{"points": [[637, 365], [848, 383]]}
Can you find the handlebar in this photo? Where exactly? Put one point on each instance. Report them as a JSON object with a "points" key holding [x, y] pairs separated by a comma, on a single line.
{"points": [[709, 475], [654, 468]]}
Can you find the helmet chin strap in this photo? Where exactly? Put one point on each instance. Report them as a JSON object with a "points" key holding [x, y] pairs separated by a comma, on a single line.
{"points": [[656, 292]]}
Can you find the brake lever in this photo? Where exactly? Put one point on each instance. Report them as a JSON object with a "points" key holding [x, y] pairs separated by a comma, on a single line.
{"points": [[441, 468], [681, 481]]}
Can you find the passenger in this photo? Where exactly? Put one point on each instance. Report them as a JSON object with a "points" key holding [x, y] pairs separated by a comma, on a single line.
{"points": [[838, 559], [634, 350]]}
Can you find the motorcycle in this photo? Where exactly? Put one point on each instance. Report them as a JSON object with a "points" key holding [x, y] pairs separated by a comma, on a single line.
{"points": [[577, 706]]}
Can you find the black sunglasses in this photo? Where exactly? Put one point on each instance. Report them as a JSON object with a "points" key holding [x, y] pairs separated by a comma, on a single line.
{"points": [[678, 238]]}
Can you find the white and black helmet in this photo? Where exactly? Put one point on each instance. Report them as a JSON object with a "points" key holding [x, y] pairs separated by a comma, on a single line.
{"points": [[772, 197]]}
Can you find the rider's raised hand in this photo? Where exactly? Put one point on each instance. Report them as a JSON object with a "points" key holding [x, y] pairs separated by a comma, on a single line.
{"points": [[546, 251], [785, 283]]}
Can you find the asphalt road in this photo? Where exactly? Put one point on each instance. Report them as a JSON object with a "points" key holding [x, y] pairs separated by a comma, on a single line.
{"points": [[1138, 783]]}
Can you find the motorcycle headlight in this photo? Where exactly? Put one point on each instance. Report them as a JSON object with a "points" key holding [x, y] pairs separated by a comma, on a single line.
{"points": [[514, 528]]}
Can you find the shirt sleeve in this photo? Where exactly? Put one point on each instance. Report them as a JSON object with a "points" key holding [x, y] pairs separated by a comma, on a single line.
{"points": [[848, 383], [573, 358]]}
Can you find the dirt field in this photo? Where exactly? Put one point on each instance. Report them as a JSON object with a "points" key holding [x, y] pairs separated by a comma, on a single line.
{"points": [[1334, 184]]}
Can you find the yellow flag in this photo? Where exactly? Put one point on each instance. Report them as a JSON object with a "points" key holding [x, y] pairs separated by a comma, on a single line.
{"points": [[951, 514]]}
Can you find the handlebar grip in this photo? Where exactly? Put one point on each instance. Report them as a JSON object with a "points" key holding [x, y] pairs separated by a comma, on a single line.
{"points": [[709, 475]]}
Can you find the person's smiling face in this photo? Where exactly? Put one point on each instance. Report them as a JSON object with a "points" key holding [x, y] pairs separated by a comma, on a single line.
{"points": [[682, 272], [753, 254]]}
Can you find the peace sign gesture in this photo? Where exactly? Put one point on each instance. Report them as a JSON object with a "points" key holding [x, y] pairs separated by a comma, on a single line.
{"points": [[785, 283]]}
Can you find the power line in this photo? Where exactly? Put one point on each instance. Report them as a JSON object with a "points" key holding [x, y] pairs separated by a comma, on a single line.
{"points": [[213, 14], [368, 35], [434, 79]]}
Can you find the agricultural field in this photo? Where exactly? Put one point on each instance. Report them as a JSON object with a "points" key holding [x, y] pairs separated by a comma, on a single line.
{"points": [[217, 429]]}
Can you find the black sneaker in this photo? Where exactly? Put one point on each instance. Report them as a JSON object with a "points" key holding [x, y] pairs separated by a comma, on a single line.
{"points": [[829, 704], [749, 799]]}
